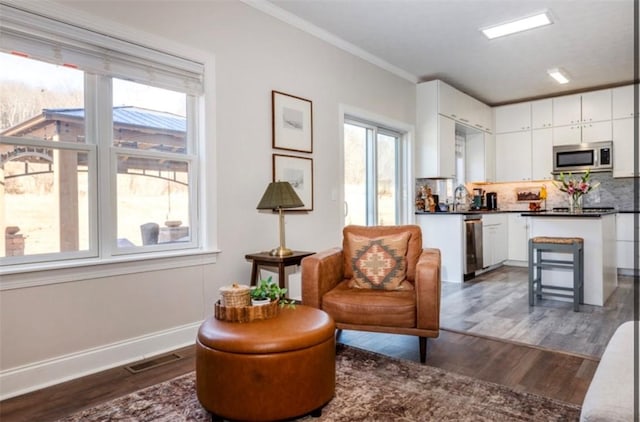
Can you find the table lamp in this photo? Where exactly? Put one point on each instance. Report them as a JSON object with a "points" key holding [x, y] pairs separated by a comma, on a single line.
{"points": [[280, 195]]}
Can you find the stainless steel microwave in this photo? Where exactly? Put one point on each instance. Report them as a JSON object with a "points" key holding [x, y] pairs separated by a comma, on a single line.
{"points": [[596, 156]]}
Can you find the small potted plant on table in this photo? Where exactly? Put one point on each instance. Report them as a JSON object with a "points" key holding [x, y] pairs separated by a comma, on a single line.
{"points": [[267, 291]]}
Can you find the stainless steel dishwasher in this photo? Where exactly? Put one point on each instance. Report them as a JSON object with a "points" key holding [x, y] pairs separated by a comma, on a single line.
{"points": [[472, 245]]}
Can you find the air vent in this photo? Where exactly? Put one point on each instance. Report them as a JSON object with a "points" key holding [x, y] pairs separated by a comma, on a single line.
{"points": [[153, 362]]}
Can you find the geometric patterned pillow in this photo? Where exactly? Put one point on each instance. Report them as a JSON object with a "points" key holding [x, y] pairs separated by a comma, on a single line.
{"points": [[379, 263]]}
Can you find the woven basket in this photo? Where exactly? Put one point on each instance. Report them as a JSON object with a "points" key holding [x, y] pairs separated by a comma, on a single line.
{"points": [[235, 295], [245, 313]]}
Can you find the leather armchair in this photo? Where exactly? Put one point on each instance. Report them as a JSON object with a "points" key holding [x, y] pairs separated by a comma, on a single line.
{"points": [[325, 280]]}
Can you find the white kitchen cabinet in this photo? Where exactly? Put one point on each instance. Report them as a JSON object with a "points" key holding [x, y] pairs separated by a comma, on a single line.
{"points": [[435, 143], [436, 153], [583, 133], [622, 102], [445, 232], [623, 139], [567, 110], [494, 239], [596, 106], [625, 241], [582, 118], [513, 156], [480, 154], [517, 239], [513, 117], [439, 109], [542, 154], [567, 135], [463, 108], [542, 114]]}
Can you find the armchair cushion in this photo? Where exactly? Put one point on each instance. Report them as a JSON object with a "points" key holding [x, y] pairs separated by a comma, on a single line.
{"points": [[379, 262], [370, 307]]}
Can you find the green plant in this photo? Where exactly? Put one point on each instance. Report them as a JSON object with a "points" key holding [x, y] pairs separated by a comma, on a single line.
{"points": [[267, 289]]}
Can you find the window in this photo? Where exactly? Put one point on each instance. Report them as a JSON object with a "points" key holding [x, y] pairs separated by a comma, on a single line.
{"points": [[98, 145], [373, 174]]}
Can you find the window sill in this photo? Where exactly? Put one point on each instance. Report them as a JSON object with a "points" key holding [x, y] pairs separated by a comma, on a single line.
{"points": [[33, 275]]}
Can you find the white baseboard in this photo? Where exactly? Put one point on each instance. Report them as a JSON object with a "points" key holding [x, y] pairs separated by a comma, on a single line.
{"points": [[31, 377], [516, 263]]}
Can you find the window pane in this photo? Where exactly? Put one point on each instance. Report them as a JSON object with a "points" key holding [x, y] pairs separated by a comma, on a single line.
{"points": [[40, 101], [153, 201], [355, 188], [149, 118], [387, 184], [45, 197], [45, 190]]}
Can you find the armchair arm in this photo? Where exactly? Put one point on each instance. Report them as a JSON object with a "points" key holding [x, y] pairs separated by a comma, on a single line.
{"points": [[320, 273], [427, 285]]}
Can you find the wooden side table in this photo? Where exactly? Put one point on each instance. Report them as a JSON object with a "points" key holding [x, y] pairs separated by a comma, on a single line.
{"points": [[263, 258]]}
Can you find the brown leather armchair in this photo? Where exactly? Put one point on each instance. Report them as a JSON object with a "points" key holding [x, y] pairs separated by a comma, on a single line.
{"points": [[415, 311]]}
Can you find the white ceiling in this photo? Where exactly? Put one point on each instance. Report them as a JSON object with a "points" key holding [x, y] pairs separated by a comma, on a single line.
{"points": [[439, 39]]}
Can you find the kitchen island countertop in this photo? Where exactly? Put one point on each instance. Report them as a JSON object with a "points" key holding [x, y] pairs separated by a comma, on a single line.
{"points": [[582, 214]]}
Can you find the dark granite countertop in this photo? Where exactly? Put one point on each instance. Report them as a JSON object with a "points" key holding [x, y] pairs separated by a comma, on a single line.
{"points": [[582, 214], [474, 212]]}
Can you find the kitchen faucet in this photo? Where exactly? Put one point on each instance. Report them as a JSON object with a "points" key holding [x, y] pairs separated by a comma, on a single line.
{"points": [[459, 188]]}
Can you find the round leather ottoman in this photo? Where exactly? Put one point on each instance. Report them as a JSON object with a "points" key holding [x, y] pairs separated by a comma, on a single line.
{"points": [[273, 369]]}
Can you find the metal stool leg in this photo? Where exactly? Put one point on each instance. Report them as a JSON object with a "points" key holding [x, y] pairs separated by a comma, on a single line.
{"points": [[539, 274], [531, 273], [576, 278]]}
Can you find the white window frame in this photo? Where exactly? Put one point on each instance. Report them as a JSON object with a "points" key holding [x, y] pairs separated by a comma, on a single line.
{"points": [[103, 250], [405, 206]]}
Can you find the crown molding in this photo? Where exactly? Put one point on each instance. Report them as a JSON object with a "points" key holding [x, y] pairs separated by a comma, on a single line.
{"points": [[297, 22]]}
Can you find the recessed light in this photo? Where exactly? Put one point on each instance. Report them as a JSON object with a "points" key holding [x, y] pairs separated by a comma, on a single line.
{"points": [[507, 28], [558, 75]]}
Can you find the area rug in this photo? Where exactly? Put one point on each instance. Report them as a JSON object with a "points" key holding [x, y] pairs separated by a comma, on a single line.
{"points": [[369, 387]]}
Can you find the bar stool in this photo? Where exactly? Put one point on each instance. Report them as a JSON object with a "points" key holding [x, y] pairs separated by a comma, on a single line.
{"points": [[572, 245]]}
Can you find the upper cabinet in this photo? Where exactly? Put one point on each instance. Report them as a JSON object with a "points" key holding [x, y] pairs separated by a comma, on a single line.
{"points": [[566, 110], [542, 114], [439, 108], [513, 117], [436, 136], [622, 100], [596, 106], [582, 118], [463, 108]]}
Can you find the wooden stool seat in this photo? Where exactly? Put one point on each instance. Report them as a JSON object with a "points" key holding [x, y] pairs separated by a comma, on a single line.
{"points": [[537, 263], [558, 240]]}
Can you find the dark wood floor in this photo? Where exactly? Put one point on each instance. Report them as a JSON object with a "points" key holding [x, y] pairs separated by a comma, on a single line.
{"points": [[554, 374]]}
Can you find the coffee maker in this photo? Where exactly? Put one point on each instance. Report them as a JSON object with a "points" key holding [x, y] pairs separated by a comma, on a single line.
{"points": [[478, 199]]}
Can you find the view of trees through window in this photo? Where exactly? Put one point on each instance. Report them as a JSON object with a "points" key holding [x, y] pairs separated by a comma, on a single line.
{"points": [[45, 161], [30, 193]]}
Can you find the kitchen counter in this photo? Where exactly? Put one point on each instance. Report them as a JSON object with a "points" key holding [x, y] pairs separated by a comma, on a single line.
{"points": [[582, 214], [469, 212]]}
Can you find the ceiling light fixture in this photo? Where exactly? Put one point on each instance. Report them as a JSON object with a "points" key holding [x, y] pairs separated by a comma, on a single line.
{"points": [[519, 25], [558, 75]]}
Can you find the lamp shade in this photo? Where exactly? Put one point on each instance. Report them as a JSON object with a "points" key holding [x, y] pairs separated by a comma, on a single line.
{"points": [[279, 195]]}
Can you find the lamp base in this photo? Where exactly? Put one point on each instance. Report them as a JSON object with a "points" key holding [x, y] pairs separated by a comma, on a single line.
{"points": [[281, 251]]}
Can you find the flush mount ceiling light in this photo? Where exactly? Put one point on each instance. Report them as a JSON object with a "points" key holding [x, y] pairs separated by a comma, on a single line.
{"points": [[519, 25], [558, 75]]}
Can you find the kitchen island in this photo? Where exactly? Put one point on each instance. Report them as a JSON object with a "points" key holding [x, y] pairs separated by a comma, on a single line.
{"points": [[598, 229]]}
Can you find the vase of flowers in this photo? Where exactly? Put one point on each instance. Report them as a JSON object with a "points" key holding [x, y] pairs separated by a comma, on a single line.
{"points": [[575, 188]]}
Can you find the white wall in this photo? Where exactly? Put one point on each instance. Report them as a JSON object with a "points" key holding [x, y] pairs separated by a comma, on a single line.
{"points": [[51, 327]]}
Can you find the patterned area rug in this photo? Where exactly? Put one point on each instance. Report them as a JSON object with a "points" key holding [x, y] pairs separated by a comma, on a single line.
{"points": [[369, 387]]}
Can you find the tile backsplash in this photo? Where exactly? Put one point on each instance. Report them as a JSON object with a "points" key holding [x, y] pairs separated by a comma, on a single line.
{"points": [[612, 192]]}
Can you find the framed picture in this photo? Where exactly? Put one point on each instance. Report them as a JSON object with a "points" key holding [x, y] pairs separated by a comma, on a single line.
{"points": [[299, 172], [292, 122]]}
